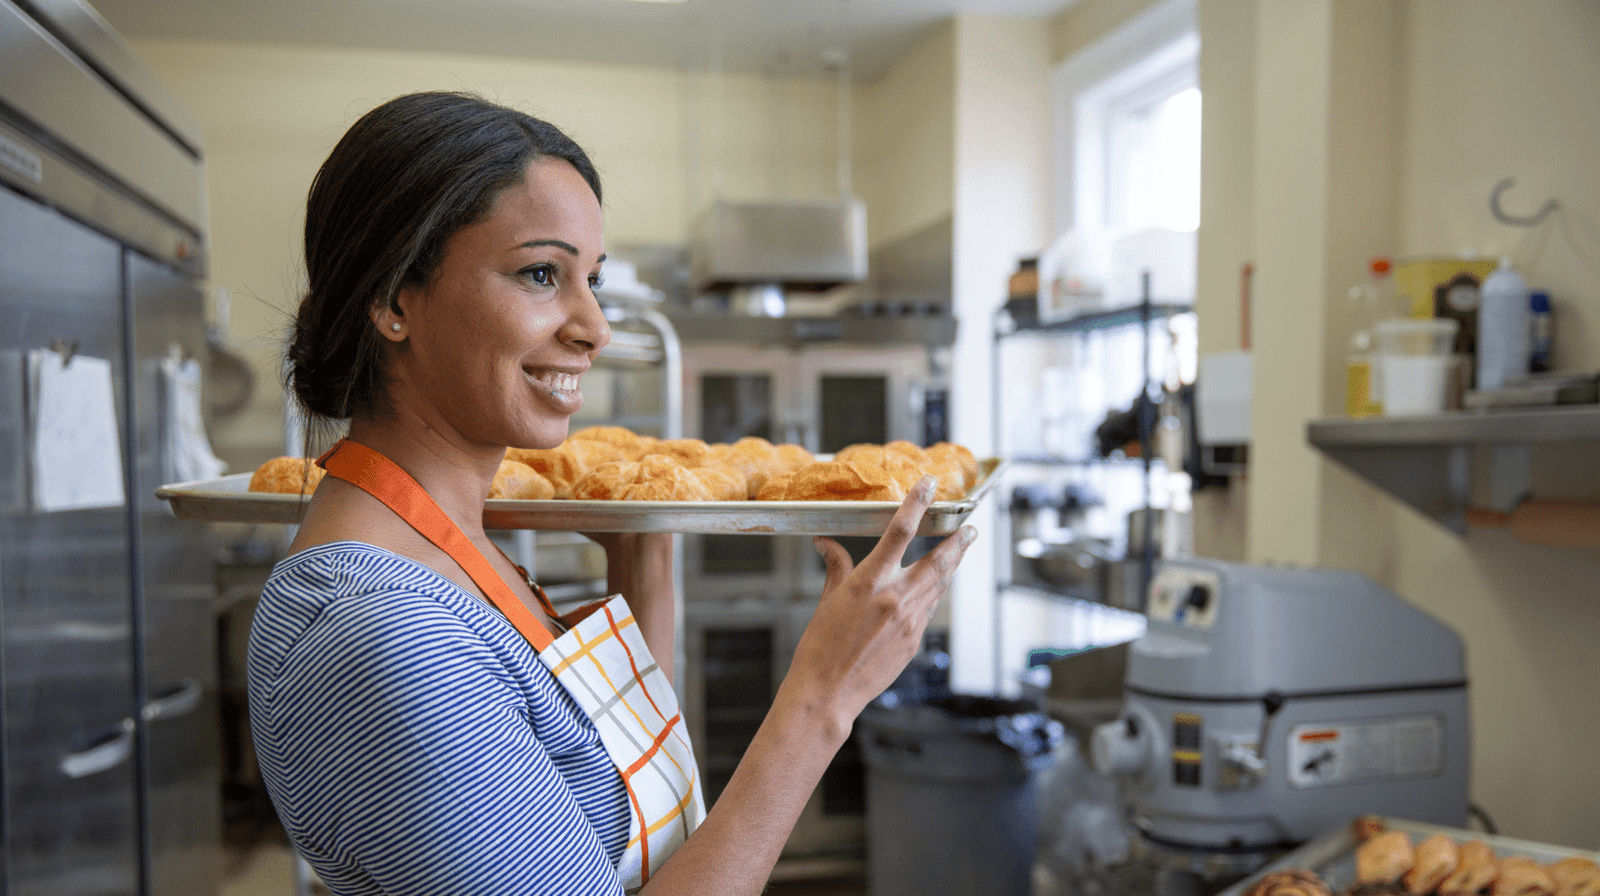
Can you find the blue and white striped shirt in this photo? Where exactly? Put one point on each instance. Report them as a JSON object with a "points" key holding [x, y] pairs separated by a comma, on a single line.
{"points": [[413, 743]]}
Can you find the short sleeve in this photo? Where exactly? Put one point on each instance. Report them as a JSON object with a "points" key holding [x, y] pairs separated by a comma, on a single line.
{"points": [[406, 758]]}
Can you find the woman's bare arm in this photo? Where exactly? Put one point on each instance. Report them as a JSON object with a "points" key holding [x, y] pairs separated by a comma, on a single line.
{"points": [[867, 626]]}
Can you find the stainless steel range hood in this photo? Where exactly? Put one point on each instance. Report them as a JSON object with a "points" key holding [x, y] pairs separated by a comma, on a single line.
{"points": [[790, 244]]}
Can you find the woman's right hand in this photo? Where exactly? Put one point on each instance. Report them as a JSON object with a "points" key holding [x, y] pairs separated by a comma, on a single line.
{"points": [[870, 619]]}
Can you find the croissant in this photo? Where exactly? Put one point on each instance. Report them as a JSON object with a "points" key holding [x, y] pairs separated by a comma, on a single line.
{"points": [[1522, 876], [843, 480], [1436, 857], [287, 475], [651, 478], [1384, 858], [517, 480], [1290, 883], [1476, 868], [1575, 876]]}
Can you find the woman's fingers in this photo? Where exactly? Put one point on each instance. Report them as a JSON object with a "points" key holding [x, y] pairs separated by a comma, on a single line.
{"points": [[930, 577], [835, 559], [902, 527]]}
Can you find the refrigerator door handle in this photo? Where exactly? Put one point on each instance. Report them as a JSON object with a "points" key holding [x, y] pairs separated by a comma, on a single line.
{"points": [[176, 700], [109, 750]]}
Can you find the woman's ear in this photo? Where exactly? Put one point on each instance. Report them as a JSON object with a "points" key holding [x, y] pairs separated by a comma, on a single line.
{"points": [[389, 319]]}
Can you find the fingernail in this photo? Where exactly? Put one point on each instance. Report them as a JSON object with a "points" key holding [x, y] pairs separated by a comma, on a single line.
{"points": [[968, 536], [925, 486]]}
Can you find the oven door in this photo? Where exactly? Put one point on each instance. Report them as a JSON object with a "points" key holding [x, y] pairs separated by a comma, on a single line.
{"points": [[871, 394], [738, 653], [731, 392]]}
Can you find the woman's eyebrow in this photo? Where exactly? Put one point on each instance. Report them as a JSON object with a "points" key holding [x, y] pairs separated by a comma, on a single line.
{"points": [[559, 244]]}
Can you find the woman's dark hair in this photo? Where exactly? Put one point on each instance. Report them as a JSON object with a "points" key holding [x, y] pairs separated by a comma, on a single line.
{"points": [[401, 182]]}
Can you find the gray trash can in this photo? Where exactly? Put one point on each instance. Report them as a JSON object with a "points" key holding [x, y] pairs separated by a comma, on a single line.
{"points": [[951, 792]]}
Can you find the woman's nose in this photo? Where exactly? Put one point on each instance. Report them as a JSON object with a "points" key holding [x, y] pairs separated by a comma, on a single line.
{"points": [[587, 327]]}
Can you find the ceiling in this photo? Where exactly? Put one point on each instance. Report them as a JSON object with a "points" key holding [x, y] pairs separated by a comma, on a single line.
{"points": [[779, 37]]}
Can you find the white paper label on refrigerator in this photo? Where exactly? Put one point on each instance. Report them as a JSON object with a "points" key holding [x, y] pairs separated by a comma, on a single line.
{"points": [[1324, 754], [77, 452]]}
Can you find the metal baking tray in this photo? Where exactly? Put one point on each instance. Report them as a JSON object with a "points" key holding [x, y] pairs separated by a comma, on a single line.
{"points": [[229, 500], [1332, 855]]}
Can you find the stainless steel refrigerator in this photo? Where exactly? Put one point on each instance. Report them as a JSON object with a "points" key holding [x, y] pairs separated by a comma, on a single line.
{"points": [[109, 760]]}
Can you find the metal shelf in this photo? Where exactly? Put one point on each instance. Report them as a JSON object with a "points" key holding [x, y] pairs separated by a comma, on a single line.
{"points": [[1428, 461], [1104, 319]]}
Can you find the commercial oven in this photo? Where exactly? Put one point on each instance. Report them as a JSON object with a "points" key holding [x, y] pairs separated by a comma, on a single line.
{"points": [[747, 598]]}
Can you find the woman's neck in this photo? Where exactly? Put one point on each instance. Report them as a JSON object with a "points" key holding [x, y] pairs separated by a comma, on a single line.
{"points": [[457, 476]]}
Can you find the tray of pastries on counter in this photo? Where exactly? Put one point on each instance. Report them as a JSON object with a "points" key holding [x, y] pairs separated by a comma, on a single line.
{"points": [[610, 479], [1376, 856]]}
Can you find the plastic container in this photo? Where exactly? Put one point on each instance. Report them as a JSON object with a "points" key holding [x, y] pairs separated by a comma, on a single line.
{"points": [[1414, 361], [952, 792], [1370, 303], [1503, 328], [1541, 332]]}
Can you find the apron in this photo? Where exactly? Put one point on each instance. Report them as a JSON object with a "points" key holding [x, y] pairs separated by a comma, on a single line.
{"points": [[600, 659]]}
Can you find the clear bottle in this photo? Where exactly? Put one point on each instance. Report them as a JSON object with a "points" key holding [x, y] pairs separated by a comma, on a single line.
{"points": [[1370, 303], [1503, 327]]}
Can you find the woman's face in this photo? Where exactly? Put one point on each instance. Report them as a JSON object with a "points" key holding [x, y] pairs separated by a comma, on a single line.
{"points": [[491, 350]]}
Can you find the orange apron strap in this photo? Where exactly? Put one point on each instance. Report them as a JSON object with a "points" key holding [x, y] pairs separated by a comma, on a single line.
{"points": [[382, 478]]}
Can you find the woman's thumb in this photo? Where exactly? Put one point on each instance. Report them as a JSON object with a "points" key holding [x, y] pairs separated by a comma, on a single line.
{"points": [[835, 559]]}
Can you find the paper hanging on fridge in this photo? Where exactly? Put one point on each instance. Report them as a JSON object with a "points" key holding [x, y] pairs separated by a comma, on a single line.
{"points": [[77, 452]]}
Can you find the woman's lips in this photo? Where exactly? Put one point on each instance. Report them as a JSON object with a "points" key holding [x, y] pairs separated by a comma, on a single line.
{"points": [[559, 388]]}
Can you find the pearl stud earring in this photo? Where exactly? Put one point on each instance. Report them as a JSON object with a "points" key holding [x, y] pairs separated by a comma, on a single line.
{"points": [[395, 326]]}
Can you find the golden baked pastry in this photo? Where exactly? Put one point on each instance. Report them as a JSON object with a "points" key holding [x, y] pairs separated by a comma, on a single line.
{"points": [[843, 480], [566, 463], [901, 468], [1475, 869], [1436, 856], [950, 452], [1290, 883], [755, 457], [632, 444], [726, 483], [517, 480], [794, 456], [1522, 876], [1575, 876], [1385, 857], [689, 452], [287, 475], [654, 477], [775, 488]]}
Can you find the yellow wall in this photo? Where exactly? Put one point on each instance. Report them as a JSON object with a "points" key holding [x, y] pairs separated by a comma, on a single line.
{"points": [[664, 142], [904, 141], [1381, 127]]}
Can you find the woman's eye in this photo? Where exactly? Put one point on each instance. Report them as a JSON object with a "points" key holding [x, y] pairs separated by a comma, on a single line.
{"points": [[596, 281], [541, 274]]}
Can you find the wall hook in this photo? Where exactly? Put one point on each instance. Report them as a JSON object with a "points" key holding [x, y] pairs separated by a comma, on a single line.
{"points": [[1517, 220]]}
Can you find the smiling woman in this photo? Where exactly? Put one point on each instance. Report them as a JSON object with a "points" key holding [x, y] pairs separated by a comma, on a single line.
{"points": [[425, 722]]}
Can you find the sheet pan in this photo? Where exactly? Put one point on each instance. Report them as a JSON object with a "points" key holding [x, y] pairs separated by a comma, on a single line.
{"points": [[1332, 855], [229, 500]]}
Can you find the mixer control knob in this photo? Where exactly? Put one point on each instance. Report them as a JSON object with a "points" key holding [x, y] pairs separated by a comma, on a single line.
{"points": [[1199, 597], [1242, 765], [1121, 748]]}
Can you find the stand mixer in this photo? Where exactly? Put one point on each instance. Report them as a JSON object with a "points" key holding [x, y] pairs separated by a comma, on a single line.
{"points": [[1265, 705]]}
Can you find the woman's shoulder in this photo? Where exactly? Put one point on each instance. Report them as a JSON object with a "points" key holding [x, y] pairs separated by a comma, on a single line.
{"points": [[348, 594]]}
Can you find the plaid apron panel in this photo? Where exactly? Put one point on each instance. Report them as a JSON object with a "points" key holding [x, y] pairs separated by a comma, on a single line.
{"points": [[604, 664]]}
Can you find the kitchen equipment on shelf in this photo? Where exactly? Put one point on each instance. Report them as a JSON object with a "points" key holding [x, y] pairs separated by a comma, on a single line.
{"points": [[1414, 364], [1266, 704]]}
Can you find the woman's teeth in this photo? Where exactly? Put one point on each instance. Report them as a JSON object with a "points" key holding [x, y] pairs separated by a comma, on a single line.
{"points": [[560, 382]]}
